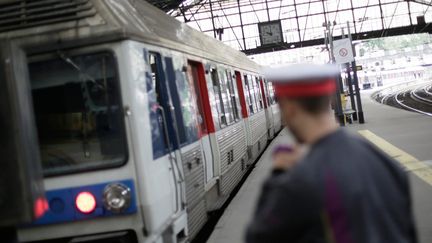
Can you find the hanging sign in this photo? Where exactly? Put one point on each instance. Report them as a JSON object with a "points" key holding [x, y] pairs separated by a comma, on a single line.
{"points": [[342, 51]]}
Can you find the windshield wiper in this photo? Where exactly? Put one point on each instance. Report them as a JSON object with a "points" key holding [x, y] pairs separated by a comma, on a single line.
{"points": [[84, 115], [76, 67]]}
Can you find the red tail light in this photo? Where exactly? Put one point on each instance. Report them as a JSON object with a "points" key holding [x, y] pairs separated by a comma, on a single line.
{"points": [[85, 202], [40, 207]]}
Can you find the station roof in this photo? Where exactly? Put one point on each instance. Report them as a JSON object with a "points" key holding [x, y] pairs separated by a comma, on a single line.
{"points": [[166, 5], [303, 23]]}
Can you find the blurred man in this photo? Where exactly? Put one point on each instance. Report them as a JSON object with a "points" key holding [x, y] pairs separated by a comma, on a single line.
{"points": [[344, 190]]}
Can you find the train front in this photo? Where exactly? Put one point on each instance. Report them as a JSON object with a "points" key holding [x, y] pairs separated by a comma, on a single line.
{"points": [[73, 68]]}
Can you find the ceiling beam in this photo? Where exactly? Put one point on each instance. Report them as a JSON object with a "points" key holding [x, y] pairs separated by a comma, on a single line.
{"points": [[414, 29], [424, 2]]}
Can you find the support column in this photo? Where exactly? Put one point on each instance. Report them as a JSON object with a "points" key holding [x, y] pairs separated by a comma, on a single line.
{"points": [[241, 25], [298, 25], [212, 17], [351, 91], [409, 12], [324, 11], [339, 87], [382, 16], [268, 13], [358, 97], [356, 83], [353, 16], [338, 106]]}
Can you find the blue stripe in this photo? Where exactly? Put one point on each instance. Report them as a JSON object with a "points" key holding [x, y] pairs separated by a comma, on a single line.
{"points": [[62, 204]]}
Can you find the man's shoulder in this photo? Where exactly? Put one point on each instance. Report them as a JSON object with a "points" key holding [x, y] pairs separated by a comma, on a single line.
{"points": [[349, 153], [343, 143]]}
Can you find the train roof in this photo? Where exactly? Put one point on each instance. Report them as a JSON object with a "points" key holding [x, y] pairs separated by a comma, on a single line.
{"points": [[79, 22]]}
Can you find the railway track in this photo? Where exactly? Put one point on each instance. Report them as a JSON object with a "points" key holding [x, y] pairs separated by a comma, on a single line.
{"points": [[428, 90], [417, 99], [422, 94]]}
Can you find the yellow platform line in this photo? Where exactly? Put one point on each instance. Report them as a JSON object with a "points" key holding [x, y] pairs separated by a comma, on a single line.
{"points": [[409, 162]]}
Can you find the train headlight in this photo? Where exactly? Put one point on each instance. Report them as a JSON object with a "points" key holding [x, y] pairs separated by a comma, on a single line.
{"points": [[85, 202], [117, 197]]}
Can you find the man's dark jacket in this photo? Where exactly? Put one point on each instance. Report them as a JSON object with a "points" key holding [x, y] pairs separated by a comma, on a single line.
{"points": [[344, 191]]}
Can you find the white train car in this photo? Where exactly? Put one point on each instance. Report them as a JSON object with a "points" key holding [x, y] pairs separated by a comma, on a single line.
{"points": [[145, 125], [390, 77]]}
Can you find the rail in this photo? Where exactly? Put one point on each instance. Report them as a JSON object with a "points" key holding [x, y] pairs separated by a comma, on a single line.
{"points": [[415, 95], [400, 102], [384, 93], [427, 90], [398, 90]]}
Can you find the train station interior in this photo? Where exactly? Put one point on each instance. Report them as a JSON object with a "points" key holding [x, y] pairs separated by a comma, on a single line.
{"points": [[172, 121]]}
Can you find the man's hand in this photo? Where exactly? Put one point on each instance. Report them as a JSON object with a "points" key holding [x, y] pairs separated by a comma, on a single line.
{"points": [[285, 157]]}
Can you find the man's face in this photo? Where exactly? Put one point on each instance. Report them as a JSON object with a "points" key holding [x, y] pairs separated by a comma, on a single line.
{"points": [[290, 112]]}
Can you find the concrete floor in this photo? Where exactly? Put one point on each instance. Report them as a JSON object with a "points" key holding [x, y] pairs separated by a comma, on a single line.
{"points": [[411, 132], [406, 130], [231, 226]]}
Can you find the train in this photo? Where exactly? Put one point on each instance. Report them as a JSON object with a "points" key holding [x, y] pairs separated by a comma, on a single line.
{"points": [[144, 124], [380, 78]]}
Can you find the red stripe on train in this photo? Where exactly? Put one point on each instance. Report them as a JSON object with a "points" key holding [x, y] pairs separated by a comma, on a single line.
{"points": [[241, 94], [264, 96], [208, 118]]}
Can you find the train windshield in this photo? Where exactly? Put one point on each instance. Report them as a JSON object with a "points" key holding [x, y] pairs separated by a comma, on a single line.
{"points": [[78, 113]]}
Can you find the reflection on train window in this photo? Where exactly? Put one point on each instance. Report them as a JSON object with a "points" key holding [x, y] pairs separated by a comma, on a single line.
{"points": [[78, 113], [267, 92], [253, 92], [233, 95], [159, 143], [272, 99], [184, 102], [195, 93], [223, 85], [249, 98], [258, 94], [218, 96]]}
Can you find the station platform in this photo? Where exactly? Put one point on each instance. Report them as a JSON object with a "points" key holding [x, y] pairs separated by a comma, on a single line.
{"points": [[404, 135]]}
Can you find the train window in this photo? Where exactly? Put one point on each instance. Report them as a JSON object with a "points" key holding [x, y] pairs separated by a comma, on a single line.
{"points": [[271, 98], [249, 98], [218, 96], [258, 95], [253, 93], [224, 88], [78, 113], [183, 98], [159, 143], [233, 95], [267, 92], [193, 74]]}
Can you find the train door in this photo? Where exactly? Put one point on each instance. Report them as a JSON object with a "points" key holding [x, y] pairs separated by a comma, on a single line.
{"points": [[195, 72], [241, 93], [267, 108], [164, 135]]}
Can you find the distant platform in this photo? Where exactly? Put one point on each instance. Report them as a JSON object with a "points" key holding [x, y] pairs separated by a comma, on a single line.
{"points": [[404, 135]]}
